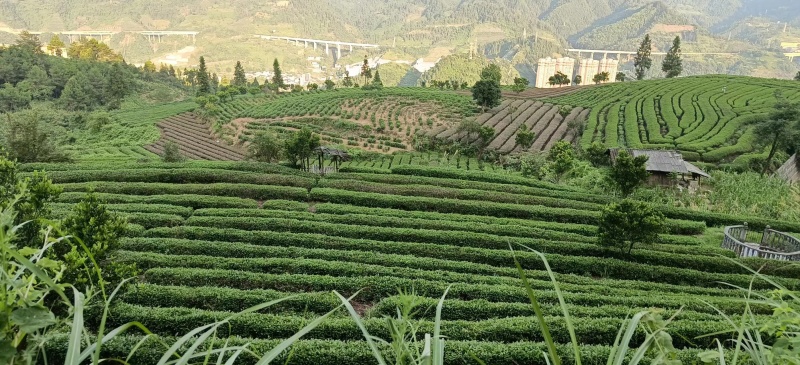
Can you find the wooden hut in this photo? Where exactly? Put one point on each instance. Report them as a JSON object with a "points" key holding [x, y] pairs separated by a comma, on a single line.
{"points": [[336, 158], [790, 171], [666, 167]]}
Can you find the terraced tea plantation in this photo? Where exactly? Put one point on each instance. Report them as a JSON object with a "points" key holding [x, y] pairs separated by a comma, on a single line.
{"points": [[545, 120], [216, 238], [384, 120], [707, 118], [195, 140]]}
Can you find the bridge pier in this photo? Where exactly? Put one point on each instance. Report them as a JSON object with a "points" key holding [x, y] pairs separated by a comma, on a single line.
{"points": [[315, 46], [305, 44], [327, 51], [351, 48], [338, 51]]}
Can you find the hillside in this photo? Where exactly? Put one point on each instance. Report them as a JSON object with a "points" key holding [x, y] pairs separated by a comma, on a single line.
{"points": [[708, 118], [225, 236], [415, 29]]}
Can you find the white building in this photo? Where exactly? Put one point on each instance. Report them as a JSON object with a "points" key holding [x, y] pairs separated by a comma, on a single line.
{"points": [[548, 67]]}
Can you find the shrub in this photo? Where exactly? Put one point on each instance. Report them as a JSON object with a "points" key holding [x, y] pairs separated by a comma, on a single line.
{"points": [[172, 152], [629, 222]]}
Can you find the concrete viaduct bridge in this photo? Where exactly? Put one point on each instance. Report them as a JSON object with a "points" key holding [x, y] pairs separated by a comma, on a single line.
{"points": [[629, 54], [103, 35], [316, 42]]}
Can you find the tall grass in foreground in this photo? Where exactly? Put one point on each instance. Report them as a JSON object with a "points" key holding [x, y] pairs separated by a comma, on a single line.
{"points": [[405, 343], [28, 277]]}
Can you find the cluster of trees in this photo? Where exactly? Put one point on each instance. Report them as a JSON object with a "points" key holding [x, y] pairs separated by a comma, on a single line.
{"points": [[298, 148], [446, 85], [672, 66], [486, 92]]}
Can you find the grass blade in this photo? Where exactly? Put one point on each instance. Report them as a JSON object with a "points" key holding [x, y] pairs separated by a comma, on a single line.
{"points": [[375, 351], [537, 309], [74, 344]]}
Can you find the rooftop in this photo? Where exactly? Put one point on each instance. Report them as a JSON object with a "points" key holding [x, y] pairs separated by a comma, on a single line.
{"points": [[668, 161]]}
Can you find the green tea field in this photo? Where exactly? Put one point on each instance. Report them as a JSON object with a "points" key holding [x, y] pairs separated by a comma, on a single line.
{"points": [[213, 238], [708, 118]]}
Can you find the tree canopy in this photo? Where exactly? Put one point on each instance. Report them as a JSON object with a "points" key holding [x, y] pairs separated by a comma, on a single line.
{"points": [[239, 78], [629, 172], [487, 93], [643, 60], [673, 64], [780, 131], [630, 222]]}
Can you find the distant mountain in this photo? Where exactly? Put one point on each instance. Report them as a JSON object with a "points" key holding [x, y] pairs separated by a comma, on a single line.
{"points": [[520, 31]]}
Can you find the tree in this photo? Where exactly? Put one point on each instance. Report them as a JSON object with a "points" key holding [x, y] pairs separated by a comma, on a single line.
{"points": [[376, 82], [214, 79], [673, 65], [266, 148], [100, 230], [347, 81], [578, 79], [487, 93], [300, 146], [93, 50], [525, 137], [37, 83], [277, 76], [492, 72], [78, 93], [485, 136], [643, 60], [797, 77], [27, 139], [203, 82], [559, 79], [620, 77], [118, 85], [562, 158], [312, 86], [780, 131], [601, 77], [29, 42], [329, 84], [624, 224], [366, 71], [629, 172], [239, 78], [13, 98], [149, 67], [172, 152], [56, 46], [35, 193], [520, 84], [597, 155]]}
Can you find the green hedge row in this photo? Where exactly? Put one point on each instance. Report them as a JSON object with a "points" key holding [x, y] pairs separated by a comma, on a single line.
{"points": [[580, 265], [249, 191], [474, 310], [362, 170], [596, 331], [477, 176], [343, 269], [502, 210], [395, 222], [375, 288], [479, 185], [330, 352], [137, 208], [664, 255], [722, 219], [590, 266], [146, 220], [460, 194], [539, 279], [214, 165], [185, 200], [180, 176], [228, 299]]}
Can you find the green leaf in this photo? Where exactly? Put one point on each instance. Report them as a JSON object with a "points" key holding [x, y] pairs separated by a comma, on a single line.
{"points": [[31, 319], [708, 357], [28, 251], [7, 352]]}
